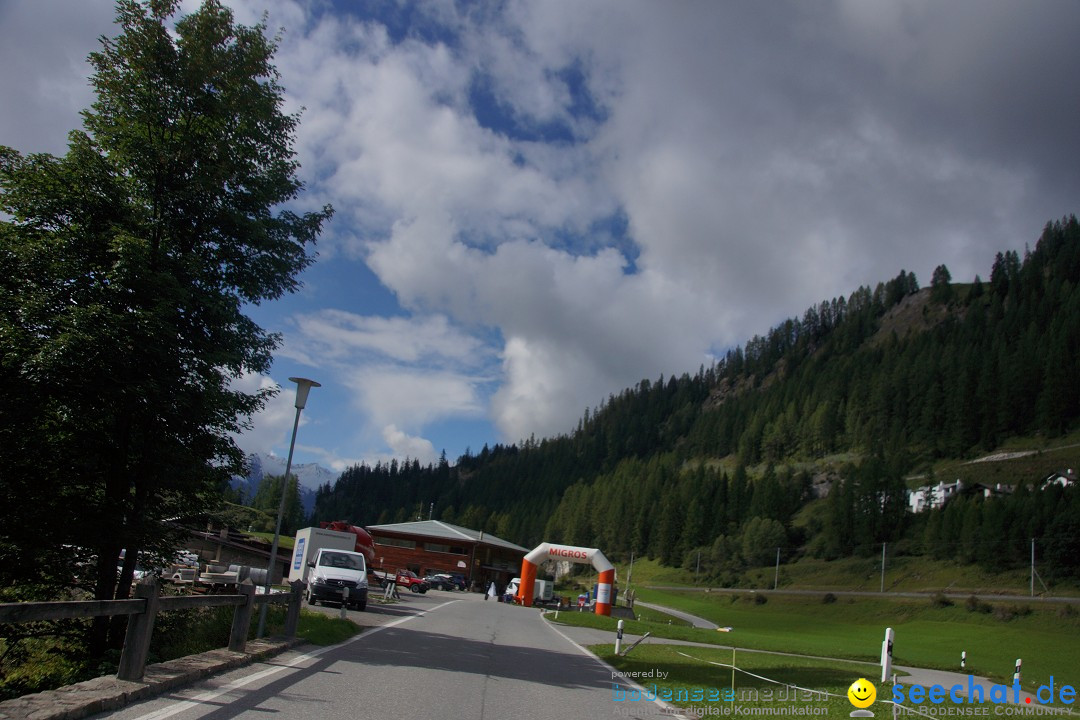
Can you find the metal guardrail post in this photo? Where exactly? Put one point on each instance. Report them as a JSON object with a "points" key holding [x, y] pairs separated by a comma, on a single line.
{"points": [[242, 617], [296, 600], [140, 628]]}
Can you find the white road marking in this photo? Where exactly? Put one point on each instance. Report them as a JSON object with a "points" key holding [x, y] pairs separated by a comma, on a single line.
{"points": [[181, 706], [668, 709]]}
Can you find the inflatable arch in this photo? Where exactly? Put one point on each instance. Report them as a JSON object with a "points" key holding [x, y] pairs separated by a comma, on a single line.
{"points": [[547, 551]]}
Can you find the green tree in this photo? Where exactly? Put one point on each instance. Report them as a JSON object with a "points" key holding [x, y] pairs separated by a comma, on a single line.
{"points": [[127, 265], [760, 539], [941, 291], [268, 500]]}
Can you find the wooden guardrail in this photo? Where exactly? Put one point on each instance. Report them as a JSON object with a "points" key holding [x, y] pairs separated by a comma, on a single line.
{"points": [[145, 606]]}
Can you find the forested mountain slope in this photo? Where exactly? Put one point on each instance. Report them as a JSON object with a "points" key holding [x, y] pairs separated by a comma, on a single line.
{"points": [[891, 377]]}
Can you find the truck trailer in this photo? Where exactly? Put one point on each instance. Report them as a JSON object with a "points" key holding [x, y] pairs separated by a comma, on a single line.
{"points": [[308, 543], [543, 590]]}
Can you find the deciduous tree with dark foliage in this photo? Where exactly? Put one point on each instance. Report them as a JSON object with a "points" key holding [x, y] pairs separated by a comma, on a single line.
{"points": [[128, 263]]}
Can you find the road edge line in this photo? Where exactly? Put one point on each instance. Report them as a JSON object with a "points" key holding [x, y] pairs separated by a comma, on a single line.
{"points": [[239, 683], [669, 709]]}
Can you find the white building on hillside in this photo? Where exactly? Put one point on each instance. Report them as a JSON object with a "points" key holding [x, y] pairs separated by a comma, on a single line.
{"points": [[1064, 478], [930, 497]]}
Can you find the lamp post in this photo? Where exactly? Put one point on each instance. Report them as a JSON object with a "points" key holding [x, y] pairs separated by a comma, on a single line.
{"points": [[303, 387]]}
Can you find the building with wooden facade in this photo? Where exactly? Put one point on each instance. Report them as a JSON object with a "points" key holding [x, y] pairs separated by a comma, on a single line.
{"points": [[433, 546]]}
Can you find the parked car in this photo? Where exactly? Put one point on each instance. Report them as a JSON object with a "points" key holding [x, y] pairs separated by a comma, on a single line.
{"points": [[409, 579], [458, 580], [440, 582]]}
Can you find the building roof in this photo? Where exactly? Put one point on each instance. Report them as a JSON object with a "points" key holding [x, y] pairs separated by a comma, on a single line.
{"points": [[445, 531]]}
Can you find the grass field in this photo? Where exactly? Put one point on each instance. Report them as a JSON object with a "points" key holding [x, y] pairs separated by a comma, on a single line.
{"points": [[902, 574], [927, 635]]}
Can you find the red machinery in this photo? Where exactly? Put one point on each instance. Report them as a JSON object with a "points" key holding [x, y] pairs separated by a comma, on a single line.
{"points": [[364, 543]]}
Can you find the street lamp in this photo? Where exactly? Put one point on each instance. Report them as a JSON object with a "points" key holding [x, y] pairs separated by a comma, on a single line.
{"points": [[303, 387]]}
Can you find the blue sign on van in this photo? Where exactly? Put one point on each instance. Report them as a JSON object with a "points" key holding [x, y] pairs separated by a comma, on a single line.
{"points": [[298, 556]]}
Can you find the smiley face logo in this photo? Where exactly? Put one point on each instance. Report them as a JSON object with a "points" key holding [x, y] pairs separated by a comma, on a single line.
{"points": [[861, 693]]}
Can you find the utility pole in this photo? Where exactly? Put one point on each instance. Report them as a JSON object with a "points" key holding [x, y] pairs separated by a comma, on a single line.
{"points": [[1032, 567], [883, 568]]}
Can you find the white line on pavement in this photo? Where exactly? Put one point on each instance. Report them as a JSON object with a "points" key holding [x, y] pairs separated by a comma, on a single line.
{"points": [[669, 710], [212, 695]]}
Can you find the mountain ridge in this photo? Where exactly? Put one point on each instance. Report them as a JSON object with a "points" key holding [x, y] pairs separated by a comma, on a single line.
{"points": [[887, 381], [310, 477]]}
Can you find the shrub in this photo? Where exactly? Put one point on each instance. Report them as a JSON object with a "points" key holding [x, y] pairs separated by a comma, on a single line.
{"points": [[30, 664], [760, 599], [1005, 613], [829, 599], [939, 600]]}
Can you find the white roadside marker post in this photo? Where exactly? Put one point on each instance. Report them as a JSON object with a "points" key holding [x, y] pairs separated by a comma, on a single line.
{"points": [[886, 654]]}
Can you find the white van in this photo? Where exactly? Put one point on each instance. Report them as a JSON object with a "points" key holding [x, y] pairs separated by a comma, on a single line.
{"points": [[331, 572]]}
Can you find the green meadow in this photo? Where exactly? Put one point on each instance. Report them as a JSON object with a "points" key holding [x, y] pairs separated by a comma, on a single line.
{"points": [[929, 633]]}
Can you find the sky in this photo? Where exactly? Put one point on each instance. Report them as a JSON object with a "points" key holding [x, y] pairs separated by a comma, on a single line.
{"points": [[539, 204]]}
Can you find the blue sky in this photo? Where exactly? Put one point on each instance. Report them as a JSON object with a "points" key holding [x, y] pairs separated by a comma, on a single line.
{"points": [[541, 203]]}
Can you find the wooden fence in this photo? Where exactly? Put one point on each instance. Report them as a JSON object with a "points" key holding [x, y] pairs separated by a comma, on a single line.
{"points": [[143, 610]]}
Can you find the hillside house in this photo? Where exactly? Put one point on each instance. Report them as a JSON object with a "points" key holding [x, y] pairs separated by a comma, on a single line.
{"points": [[930, 497], [1064, 478]]}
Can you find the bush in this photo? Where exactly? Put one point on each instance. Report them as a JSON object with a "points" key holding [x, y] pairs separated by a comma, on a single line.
{"points": [[1005, 613], [939, 600], [50, 655], [188, 632], [973, 604], [31, 664], [829, 599], [760, 599]]}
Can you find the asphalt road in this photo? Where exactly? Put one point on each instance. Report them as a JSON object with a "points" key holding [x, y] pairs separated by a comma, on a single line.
{"points": [[460, 657]]}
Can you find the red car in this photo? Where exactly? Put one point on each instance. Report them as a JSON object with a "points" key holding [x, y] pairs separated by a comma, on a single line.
{"points": [[409, 579]]}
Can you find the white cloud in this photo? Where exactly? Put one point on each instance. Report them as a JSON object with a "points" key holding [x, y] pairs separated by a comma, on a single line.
{"points": [[403, 445], [763, 156], [412, 398], [752, 188], [338, 336], [43, 50], [400, 374], [271, 428]]}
